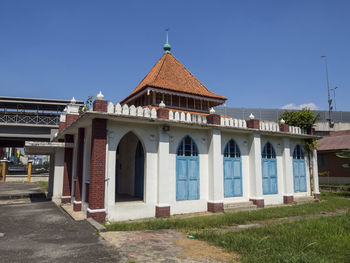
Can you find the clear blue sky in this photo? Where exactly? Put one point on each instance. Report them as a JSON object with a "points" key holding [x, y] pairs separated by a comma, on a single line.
{"points": [[257, 53]]}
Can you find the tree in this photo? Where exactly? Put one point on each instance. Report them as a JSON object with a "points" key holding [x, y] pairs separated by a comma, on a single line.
{"points": [[344, 154], [304, 118], [87, 105]]}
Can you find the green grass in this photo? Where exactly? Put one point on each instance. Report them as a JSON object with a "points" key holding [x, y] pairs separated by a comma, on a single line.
{"points": [[43, 185], [310, 240], [331, 202]]}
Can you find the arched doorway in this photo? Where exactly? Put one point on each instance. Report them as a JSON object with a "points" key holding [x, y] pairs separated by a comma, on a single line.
{"points": [[269, 169], [232, 170], [130, 162], [187, 170], [299, 172]]}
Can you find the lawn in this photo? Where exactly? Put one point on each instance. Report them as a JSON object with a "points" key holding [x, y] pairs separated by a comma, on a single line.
{"points": [[311, 240], [331, 202], [43, 185]]}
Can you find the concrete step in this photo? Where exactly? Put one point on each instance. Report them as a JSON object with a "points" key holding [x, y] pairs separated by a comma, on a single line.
{"points": [[304, 199], [242, 206]]}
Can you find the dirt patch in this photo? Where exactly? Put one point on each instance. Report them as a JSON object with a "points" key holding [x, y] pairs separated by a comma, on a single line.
{"points": [[200, 249]]}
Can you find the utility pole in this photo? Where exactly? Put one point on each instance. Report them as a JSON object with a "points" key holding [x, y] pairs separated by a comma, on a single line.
{"points": [[335, 104], [329, 95]]}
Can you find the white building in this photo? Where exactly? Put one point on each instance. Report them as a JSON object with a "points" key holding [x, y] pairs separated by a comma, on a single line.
{"points": [[163, 151]]}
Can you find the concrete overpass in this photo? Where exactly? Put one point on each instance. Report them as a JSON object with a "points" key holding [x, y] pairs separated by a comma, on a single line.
{"points": [[29, 119]]}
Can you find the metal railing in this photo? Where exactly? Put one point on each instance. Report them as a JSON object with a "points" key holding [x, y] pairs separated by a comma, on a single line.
{"points": [[29, 118]]}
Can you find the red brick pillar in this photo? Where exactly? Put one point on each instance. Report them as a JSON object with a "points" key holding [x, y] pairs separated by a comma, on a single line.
{"points": [[253, 124], [163, 113], [284, 127], [214, 119], [67, 172], [100, 105], [80, 163], [215, 207], [96, 208]]}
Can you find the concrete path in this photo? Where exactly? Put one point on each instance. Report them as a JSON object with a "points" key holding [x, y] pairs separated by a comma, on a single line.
{"points": [[18, 190], [39, 231], [164, 246]]}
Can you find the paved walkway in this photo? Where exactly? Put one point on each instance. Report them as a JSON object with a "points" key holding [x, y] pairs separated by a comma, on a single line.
{"points": [[39, 231], [164, 246]]}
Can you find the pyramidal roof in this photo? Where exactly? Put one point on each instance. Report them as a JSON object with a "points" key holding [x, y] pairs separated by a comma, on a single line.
{"points": [[169, 74]]}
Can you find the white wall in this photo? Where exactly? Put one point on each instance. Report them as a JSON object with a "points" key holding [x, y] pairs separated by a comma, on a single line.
{"points": [[149, 134], [242, 141], [58, 175]]}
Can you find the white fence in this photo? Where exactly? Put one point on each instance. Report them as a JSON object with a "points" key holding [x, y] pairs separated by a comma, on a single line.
{"points": [[180, 116]]}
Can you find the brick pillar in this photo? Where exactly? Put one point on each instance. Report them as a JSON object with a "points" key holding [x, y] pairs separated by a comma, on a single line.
{"points": [[213, 119], [80, 164], [284, 128], [96, 208], [67, 172], [288, 199], [258, 202], [70, 118], [163, 113], [253, 124], [100, 105], [215, 207]]}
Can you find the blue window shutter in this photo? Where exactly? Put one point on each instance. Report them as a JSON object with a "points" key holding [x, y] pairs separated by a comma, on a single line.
{"points": [[237, 175], [302, 176], [295, 175], [228, 189], [265, 175], [193, 175], [181, 178]]}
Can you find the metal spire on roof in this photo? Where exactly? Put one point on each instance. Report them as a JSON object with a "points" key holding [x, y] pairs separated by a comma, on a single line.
{"points": [[167, 46]]}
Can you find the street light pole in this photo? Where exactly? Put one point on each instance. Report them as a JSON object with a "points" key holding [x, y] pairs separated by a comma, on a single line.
{"points": [[329, 96], [335, 104]]}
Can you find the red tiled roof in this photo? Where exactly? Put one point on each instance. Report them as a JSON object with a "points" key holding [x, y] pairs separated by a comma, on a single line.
{"points": [[329, 143], [168, 73]]}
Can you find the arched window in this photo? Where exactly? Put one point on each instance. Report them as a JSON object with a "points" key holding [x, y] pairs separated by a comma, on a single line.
{"points": [[269, 169], [187, 147], [187, 170], [232, 150], [299, 171], [298, 152], [232, 170], [268, 152]]}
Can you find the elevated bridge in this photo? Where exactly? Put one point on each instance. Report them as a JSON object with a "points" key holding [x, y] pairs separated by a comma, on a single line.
{"points": [[29, 119]]}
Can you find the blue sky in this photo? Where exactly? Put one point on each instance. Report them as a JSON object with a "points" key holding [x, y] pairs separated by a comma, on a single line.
{"points": [[257, 53]]}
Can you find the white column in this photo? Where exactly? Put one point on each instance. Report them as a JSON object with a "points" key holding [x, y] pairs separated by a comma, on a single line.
{"points": [[216, 177], [255, 168], [58, 175], [315, 172], [287, 168], [163, 169]]}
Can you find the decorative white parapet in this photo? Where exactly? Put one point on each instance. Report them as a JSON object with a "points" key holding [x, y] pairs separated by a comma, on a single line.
{"points": [[139, 111], [171, 115], [182, 116], [147, 113], [125, 109], [110, 107], [118, 109], [188, 117], [132, 110], [154, 113], [177, 116]]}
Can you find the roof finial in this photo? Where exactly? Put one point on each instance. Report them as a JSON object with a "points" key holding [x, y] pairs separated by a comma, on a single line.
{"points": [[166, 46]]}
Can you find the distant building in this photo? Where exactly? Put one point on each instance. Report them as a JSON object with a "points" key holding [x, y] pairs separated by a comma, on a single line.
{"points": [[330, 166]]}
